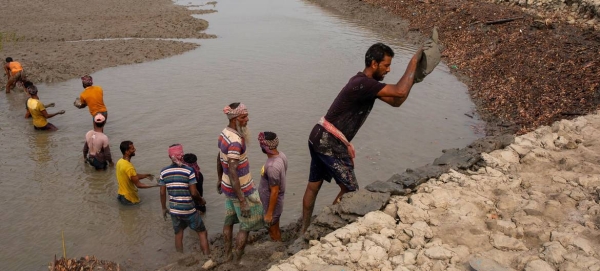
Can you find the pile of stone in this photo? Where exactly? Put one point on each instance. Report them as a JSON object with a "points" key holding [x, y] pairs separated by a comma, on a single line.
{"points": [[533, 205]]}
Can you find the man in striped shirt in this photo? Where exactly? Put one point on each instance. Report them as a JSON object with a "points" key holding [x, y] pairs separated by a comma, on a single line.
{"points": [[242, 202], [178, 180]]}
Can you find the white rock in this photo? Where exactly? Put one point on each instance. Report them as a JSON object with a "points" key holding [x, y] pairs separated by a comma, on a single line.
{"points": [[538, 265], [553, 252], [300, 262], [336, 256], [589, 181], [391, 210], [377, 220], [380, 240], [419, 228], [410, 214], [438, 253], [508, 155], [504, 242], [410, 257]]}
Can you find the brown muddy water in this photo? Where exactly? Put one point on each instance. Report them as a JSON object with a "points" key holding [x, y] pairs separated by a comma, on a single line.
{"points": [[286, 60]]}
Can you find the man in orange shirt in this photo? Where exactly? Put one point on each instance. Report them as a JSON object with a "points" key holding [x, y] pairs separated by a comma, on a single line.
{"points": [[92, 97], [14, 73]]}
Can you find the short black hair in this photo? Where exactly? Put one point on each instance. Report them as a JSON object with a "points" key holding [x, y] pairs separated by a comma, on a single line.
{"points": [[27, 83], [377, 52], [101, 124], [270, 135], [125, 146], [234, 105], [9, 59], [190, 158]]}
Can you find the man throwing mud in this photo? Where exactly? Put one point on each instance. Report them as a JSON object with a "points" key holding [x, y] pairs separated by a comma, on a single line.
{"points": [[92, 96], [332, 154], [14, 73], [242, 202]]}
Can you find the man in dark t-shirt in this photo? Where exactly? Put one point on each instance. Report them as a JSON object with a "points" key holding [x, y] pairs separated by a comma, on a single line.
{"points": [[329, 141]]}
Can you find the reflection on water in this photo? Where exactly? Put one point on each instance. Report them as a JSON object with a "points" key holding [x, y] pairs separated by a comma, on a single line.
{"points": [[285, 59]]}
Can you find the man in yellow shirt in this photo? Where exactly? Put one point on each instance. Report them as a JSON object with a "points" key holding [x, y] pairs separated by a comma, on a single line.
{"points": [[92, 97], [14, 73], [127, 178], [37, 111]]}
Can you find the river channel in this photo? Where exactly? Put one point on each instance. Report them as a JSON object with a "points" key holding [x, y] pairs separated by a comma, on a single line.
{"points": [[285, 59]]}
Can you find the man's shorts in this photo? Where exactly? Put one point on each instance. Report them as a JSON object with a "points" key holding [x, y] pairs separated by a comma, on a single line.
{"points": [[96, 163], [233, 213], [49, 126], [194, 221], [124, 200], [15, 78], [324, 167]]}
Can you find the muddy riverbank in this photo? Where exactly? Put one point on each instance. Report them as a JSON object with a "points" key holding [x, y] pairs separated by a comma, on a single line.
{"points": [[40, 34], [538, 68]]}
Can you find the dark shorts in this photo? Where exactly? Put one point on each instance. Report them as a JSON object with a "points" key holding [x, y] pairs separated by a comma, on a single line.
{"points": [[324, 167], [49, 127], [194, 221], [96, 163], [124, 200]]}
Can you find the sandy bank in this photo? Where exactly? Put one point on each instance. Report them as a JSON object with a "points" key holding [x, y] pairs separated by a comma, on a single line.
{"points": [[36, 33]]}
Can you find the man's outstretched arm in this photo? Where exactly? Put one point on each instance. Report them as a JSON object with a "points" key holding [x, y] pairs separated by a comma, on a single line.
{"points": [[395, 95]]}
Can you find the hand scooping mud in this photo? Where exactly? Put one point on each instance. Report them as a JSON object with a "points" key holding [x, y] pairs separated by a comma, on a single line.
{"points": [[61, 112]]}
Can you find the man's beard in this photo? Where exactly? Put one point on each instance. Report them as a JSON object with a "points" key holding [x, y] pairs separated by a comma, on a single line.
{"points": [[244, 131], [378, 76]]}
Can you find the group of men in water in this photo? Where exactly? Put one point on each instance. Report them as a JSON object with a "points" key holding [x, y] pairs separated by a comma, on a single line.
{"points": [[254, 208]]}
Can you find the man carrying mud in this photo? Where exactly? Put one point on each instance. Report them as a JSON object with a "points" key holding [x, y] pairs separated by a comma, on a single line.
{"points": [[127, 178], [14, 73], [96, 145], [242, 202], [179, 181], [272, 182], [92, 97], [37, 111], [332, 154]]}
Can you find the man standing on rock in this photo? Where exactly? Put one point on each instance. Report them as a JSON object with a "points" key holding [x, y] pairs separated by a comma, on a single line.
{"points": [[179, 181], [127, 178], [96, 145], [14, 73], [242, 202], [272, 182], [92, 97], [332, 154]]}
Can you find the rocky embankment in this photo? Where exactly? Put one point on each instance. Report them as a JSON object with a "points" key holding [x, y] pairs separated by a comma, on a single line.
{"points": [[532, 205]]}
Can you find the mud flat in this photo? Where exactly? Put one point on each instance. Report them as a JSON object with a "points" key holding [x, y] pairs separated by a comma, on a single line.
{"points": [[41, 34]]}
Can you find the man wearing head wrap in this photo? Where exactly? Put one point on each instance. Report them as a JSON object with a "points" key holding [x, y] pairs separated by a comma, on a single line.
{"points": [[14, 73], [272, 182], [96, 145], [191, 160], [127, 177], [37, 111], [179, 181], [332, 154], [92, 97], [242, 202]]}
